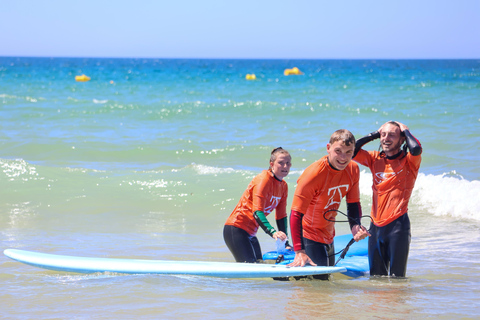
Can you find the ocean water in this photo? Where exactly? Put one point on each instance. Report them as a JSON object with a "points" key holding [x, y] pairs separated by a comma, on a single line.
{"points": [[148, 158]]}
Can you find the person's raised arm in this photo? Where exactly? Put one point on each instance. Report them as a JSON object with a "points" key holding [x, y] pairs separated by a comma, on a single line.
{"points": [[364, 140], [413, 144]]}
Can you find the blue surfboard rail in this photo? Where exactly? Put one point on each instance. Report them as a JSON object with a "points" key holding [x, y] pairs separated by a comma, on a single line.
{"points": [[136, 266]]}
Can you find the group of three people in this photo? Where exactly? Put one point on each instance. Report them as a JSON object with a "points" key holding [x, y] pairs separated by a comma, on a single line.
{"points": [[318, 195]]}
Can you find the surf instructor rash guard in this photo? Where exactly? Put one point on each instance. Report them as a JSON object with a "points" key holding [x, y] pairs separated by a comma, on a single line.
{"points": [[321, 188], [393, 177], [264, 194]]}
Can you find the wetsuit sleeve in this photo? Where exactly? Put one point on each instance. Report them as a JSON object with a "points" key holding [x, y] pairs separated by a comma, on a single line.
{"points": [[282, 225], [364, 140], [263, 223], [354, 213], [412, 143], [297, 229]]}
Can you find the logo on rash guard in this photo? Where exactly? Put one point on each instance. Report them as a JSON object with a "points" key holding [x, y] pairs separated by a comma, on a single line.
{"points": [[382, 176], [274, 201], [336, 195]]}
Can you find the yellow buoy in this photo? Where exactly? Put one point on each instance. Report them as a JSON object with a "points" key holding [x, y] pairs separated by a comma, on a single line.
{"points": [[251, 77], [82, 78], [293, 71]]}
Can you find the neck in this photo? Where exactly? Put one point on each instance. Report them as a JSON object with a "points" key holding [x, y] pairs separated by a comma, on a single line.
{"points": [[271, 170], [331, 165], [394, 155]]}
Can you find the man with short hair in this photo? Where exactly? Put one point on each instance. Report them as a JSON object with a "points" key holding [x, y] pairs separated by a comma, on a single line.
{"points": [[319, 191], [394, 173]]}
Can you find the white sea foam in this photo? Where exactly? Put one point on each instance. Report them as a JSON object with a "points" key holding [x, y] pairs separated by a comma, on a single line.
{"points": [[441, 195], [100, 101], [205, 170], [17, 168], [447, 195]]}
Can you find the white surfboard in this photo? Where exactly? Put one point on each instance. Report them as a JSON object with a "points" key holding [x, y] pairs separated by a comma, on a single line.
{"points": [[136, 266]]}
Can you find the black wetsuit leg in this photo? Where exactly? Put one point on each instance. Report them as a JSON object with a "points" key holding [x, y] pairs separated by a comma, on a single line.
{"points": [[243, 246], [320, 253], [388, 248]]}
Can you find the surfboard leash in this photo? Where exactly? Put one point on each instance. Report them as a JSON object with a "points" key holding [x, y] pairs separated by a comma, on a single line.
{"points": [[344, 251]]}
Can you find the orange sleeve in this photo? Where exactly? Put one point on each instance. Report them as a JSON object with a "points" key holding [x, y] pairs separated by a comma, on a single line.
{"points": [[415, 161], [364, 158], [258, 195]]}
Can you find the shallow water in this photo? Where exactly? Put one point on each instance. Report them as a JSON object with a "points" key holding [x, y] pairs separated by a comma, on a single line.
{"points": [[151, 164]]}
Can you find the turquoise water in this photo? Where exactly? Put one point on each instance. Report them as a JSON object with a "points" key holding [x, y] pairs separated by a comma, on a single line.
{"points": [[148, 159]]}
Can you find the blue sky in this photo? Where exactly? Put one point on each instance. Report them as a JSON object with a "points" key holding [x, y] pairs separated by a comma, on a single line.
{"points": [[293, 29]]}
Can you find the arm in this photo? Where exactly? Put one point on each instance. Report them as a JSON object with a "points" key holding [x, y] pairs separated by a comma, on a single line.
{"points": [[267, 227], [282, 225], [354, 213], [364, 140], [301, 258], [412, 143], [297, 229]]}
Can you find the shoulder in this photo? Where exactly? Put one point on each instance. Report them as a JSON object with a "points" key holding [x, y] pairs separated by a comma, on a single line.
{"points": [[317, 167], [353, 168], [414, 159], [262, 177], [313, 172], [364, 155]]}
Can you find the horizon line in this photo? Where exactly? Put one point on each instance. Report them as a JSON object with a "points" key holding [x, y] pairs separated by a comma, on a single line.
{"points": [[222, 58]]}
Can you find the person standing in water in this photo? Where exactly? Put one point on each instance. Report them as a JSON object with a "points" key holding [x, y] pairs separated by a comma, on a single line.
{"points": [[394, 173], [319, 192], [265, 193]]}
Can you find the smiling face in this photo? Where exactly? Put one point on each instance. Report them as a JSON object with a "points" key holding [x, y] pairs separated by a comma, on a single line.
{"points": [[339, 154], [391, 139], [281, 165]]}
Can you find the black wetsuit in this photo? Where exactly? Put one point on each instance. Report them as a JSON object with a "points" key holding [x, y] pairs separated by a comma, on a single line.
{"points": [[244, 247], [389, 245]]}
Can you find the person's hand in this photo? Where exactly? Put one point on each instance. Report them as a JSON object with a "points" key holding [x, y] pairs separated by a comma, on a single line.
{"points": [[359, 232], [402, 126], [301, 258], [279, 235]]}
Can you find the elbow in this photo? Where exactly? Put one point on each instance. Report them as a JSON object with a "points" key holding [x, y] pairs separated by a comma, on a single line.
{"points": [[416, 151]]}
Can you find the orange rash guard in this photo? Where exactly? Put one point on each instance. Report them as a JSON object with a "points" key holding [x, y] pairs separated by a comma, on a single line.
{"points": [[393, 182], [264, 193], [320, 188]]}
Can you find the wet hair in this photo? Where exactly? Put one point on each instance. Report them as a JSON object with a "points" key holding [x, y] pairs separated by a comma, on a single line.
{"points": [[275, 152], [402, 134], [343, 135]]}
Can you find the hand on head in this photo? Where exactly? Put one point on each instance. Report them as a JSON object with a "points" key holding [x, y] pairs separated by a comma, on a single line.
{"points": [[401, 125]]}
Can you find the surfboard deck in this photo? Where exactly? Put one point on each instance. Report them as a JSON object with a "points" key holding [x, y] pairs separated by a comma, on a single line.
{"points": [[355, 262], [137, 266]]}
